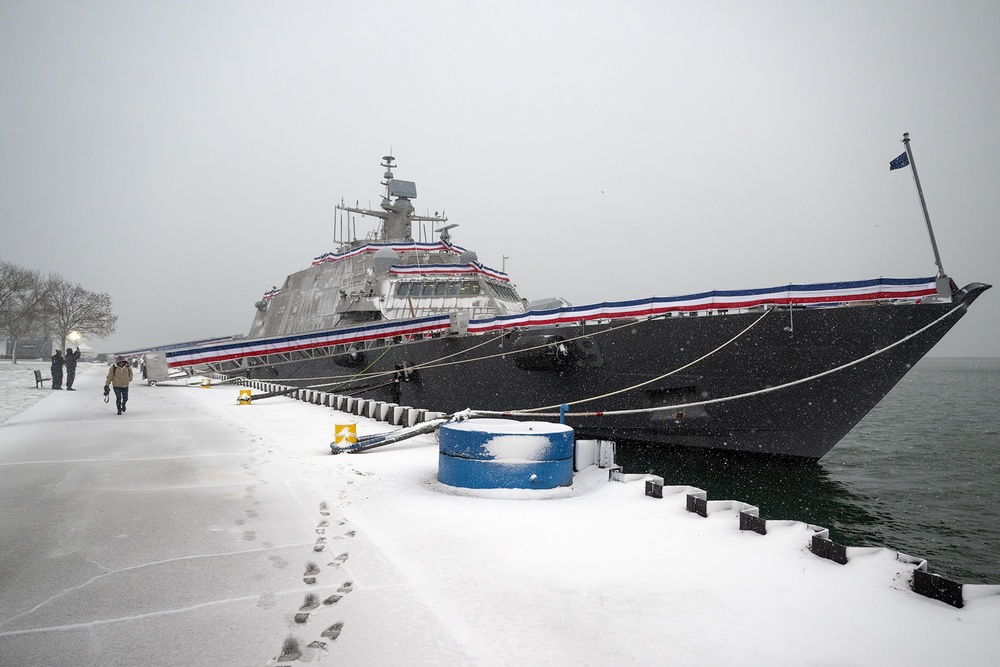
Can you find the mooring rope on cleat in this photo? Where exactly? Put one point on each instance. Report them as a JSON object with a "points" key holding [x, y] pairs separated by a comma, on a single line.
{"points": [[367, 442]]}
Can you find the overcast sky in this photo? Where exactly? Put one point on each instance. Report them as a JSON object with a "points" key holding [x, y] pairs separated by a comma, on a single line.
{"points": [[186, 156]]}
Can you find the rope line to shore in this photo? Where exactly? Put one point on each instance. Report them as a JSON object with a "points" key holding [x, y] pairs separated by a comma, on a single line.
{"points": [[658, 377], [441, 363], [712, 401]]}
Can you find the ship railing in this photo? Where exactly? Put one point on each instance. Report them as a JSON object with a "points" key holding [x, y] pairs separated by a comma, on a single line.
{"points": [[285, 349]]}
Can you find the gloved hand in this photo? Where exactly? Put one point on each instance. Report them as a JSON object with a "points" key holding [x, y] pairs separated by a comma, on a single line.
{"points": [[107, 390]]}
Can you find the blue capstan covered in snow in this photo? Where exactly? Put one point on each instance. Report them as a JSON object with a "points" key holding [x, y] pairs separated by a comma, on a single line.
{"points": [[505, 454]]}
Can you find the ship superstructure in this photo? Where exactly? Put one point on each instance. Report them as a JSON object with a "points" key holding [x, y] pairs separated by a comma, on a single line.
{"points": [[388, 276]]}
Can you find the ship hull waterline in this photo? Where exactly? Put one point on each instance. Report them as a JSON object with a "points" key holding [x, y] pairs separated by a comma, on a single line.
{"points": [[746, 353]]}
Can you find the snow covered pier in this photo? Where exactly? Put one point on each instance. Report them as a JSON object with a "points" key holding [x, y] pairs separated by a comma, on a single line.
{"points": [[193, 530]]}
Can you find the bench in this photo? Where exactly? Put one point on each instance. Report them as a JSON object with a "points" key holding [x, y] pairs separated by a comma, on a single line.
{"points": [[39, 380]]}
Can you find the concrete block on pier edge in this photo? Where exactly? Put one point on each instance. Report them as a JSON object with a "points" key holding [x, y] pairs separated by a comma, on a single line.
{"points": [[397, 414], [415, 416], [359, 407], [936, 587], [825, 548], [750, 520], [654, 487], [388, 410], [697, 503]]}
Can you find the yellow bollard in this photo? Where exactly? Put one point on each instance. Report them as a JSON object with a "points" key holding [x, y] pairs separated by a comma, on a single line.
{"points": [[245, 397], [206, 383], [345, 435]]}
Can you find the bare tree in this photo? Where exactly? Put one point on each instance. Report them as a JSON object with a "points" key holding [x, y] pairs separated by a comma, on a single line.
{"points": [[13, 281], [23, 297], [72, 308]]}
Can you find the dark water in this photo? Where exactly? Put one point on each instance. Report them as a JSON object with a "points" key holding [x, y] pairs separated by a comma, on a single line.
{"points": [[920, 474]]}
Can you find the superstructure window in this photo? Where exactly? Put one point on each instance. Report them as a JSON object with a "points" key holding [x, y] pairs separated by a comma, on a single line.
{"points": [[442, 288], [504, 292]]}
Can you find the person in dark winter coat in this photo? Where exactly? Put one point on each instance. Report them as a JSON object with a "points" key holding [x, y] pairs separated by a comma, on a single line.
{"points": [[57, 368], [119, 376], [71, 359]]}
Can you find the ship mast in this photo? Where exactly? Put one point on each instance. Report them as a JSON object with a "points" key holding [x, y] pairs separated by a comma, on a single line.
{"points": [[923, 204], [397, 216]]}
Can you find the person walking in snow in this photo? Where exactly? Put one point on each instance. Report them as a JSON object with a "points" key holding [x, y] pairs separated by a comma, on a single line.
{"points": [[119, 376], [71, 359], [57, 368]]}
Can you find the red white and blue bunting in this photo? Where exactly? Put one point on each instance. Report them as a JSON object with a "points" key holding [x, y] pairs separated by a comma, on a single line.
{"points": [[448, 270], [815, 295], [395, 247]]}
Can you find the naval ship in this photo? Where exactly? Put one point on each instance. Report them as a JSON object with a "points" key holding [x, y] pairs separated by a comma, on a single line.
{"points": [[784, 371]]}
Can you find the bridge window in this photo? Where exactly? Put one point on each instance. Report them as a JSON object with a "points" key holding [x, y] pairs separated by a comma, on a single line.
{"points": [[443, 288]]}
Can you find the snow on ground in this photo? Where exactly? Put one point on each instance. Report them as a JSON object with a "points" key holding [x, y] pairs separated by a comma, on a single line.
{"points": [[196, 531], [15, 382]]}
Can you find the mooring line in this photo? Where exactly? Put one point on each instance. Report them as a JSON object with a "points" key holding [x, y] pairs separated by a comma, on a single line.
{"points": [[659, 377], [440, 363], [725, 399]]}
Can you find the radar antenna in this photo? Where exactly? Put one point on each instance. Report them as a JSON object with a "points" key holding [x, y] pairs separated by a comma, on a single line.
{"points": [[445, 236]]}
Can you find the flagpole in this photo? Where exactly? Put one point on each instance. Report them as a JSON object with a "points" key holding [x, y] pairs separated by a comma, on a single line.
{"points": [[923, 204]]}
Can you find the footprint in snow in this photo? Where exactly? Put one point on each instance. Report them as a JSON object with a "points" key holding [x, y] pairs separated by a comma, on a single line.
{"points": [[333, 631], [290, 651]]}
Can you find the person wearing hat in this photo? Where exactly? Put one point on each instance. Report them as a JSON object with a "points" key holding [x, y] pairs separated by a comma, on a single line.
{"points": [[119, 376], [71, 359], [57, 369]]}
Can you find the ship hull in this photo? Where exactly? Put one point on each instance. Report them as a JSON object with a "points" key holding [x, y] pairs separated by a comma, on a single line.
{"points": [[715, 382]]}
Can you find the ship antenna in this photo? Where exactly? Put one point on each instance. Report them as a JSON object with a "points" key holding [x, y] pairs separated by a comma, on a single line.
{"points": [[923, 204], [387, 162]]}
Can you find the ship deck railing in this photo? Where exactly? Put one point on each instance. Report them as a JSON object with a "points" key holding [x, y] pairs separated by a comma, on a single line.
{"points": [[293, 347]]}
